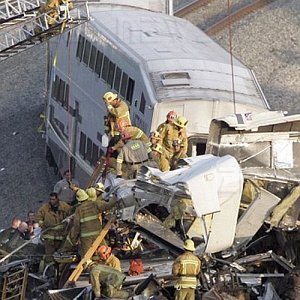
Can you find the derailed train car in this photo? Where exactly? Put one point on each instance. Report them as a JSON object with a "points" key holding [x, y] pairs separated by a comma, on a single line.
{"points": [[155, 62], [242, 214]]}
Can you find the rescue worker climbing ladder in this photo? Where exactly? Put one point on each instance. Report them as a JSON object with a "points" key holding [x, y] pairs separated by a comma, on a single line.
{"points": [[117, 112]]}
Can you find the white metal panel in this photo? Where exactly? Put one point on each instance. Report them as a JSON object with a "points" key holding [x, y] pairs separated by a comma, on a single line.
{"points": [[215, 185], [198, 113]]}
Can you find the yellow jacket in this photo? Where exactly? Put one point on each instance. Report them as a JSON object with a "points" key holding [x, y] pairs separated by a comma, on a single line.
{"points": [[186, 267]]}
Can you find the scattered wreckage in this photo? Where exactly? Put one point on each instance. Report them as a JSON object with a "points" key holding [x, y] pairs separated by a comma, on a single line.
{"points": [[240, 204]]}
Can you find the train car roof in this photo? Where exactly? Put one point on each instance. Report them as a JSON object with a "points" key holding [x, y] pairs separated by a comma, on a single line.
{"points": [[183, 62]]}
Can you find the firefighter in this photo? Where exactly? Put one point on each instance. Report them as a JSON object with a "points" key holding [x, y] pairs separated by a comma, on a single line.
{"points": [[154, 138], [117, 111], [135, 133], [134, 154], [106, 276], [105, 254], [178, 154], [186, 268], [86, 223], [49, 217], [171, 116], [158, 159], [54, 9], [181, 123], [102, 204], [172, 131]]}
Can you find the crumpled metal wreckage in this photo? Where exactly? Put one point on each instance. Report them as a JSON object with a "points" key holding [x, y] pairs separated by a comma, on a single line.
{"points": [[202, 200]]}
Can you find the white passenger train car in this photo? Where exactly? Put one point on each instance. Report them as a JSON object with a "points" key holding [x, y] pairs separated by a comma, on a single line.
{"points": [[156, 62]]}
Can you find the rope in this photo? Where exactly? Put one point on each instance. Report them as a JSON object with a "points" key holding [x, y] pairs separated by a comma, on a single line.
{"points": [[231, 56]]}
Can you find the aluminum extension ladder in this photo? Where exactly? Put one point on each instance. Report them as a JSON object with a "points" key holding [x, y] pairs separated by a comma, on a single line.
{"points": [[22, 26]]}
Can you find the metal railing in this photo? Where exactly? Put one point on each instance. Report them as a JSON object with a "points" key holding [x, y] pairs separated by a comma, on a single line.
{"points": [[13, 8], [27, 33]]}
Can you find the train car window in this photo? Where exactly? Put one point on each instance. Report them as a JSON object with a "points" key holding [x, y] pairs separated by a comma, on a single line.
{"points": [[89, 149], [82, 144], [117, 79], [61, 92], [86, 53], [98, 65], [95, 154], [55, 88], [66, 97], [68, 39], [80, 46], [124, 84], [111, 73], [130, 89], [93, 58], [104, 73], [101, 153], [51, 113], [142, 104]]}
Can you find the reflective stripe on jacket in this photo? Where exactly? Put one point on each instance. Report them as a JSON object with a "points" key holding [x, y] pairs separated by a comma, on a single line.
{"points": [[186, 267], [47, 217], [86, 221]]}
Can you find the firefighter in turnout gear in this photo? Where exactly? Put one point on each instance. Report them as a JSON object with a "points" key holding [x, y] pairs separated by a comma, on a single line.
{"points": [[56, 10], [181, 123], [49, 217], [135, 133], [158, 158], [178, 154], [118, 111], [171, 116], [102, 204], [134, 153], [154, 138], [106, 276], [86, 223], [173, 131], [186, 268]]}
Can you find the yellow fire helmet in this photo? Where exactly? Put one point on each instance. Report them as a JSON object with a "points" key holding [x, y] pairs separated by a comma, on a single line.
{"points": [[81, 195], [109, 96], [91, 193], [99, 187], [155, 135], [158, 148], [189, 245], [181, 122]]}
